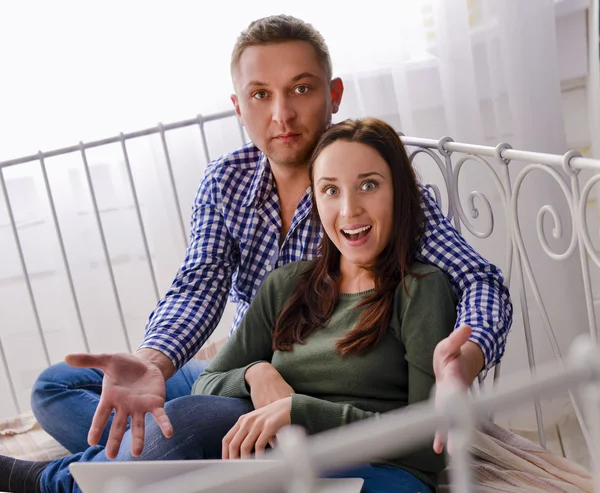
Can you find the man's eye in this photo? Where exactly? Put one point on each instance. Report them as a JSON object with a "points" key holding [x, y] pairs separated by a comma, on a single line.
{"points": [[260, 95], [302, 89]]}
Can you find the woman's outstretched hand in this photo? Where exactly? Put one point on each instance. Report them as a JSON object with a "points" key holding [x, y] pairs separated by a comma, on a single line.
{"points": [[131, 387]]}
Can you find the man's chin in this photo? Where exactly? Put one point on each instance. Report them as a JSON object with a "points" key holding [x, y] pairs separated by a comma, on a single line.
{"points": [[289, 160]]}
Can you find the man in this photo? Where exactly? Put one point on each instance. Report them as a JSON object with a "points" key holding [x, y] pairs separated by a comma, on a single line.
{"points": [[252, 214]]}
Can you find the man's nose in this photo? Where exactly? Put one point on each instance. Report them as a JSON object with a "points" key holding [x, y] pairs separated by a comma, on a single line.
{"points": [[283, 110]]}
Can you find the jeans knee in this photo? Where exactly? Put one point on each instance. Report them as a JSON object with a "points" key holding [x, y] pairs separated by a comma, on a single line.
{"points": [[207, 406], [60, 378], [47, 382]]}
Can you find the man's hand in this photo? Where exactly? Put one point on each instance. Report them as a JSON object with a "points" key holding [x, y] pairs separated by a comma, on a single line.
{"points": [[456, 361], [266, 385], [132, 387], [256, 429]]}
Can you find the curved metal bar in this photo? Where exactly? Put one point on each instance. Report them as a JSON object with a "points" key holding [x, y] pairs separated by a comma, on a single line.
{"points": [[476, 194], [583, 259], [521, 245], [581, 212], [557, 231], [531, 278], [431, 186]]}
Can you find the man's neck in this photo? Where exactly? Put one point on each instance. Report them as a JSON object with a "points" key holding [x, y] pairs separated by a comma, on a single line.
{"points": [[290, 177], [292, 182]]}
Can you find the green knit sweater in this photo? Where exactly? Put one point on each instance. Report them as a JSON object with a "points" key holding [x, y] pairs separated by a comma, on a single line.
{"points": [[332, 390]]}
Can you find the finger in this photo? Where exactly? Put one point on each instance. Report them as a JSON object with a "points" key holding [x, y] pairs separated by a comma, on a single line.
{"points": [[248, 444], [261, 443], [137, 434], [117, 430], [99, 422], [227, 440], [163, 422], [451, 345], [237, 440], [83, 360], [460, 336], [438, 443]]}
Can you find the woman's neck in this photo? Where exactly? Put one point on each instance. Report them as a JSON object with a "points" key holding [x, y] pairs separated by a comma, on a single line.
{"points": [[355, 279]]}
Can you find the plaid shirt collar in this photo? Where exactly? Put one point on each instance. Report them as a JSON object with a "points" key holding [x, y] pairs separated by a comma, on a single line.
{"points": [[261, 187]]}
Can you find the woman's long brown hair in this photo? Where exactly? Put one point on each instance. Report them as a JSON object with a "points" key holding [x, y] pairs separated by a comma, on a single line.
{"points": [[314, 299]]}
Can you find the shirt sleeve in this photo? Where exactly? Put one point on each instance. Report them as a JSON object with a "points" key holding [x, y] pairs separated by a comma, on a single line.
{"points": [[191, 309], [484, 301]]}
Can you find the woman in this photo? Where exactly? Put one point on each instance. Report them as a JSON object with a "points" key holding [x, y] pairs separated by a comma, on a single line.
{"points": [[352, 333]]}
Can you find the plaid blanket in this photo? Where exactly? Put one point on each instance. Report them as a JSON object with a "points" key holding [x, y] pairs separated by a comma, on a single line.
{"points": [[22, 437]]}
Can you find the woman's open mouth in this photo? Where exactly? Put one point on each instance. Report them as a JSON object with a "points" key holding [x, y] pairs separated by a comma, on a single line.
{"points": [[356, 234]]}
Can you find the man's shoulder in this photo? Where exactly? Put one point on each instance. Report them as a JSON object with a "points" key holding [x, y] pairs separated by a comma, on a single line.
{"points": [[246, 158]]}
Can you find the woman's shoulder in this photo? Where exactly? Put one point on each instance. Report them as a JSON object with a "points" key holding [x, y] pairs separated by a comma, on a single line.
{"points": [[421, 271], [425, 281], [287, 275], [292, 270], [428, 295]]}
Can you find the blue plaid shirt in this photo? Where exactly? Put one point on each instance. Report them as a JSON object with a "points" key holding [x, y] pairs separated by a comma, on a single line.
{"points": [[234, 244]]}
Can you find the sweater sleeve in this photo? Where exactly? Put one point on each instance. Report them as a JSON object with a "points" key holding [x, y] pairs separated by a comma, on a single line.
{"points": [[317, 415], [249, 344], [424, 324]]}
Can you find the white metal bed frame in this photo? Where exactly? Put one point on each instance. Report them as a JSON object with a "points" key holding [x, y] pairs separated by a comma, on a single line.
{"points": [[304, 458]]}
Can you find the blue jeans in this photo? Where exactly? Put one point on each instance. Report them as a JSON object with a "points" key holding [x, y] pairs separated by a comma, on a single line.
{"points": [[201, 439], [64, 400]]}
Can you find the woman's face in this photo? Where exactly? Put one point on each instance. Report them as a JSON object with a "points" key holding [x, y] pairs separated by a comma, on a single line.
{"points": [[355, 197]]}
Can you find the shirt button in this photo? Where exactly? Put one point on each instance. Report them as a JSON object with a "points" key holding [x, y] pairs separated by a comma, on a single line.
{"points": [[268, 266]]}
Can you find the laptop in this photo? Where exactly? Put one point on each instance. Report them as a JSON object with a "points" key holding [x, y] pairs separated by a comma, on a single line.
{"points": [[98, 477]]}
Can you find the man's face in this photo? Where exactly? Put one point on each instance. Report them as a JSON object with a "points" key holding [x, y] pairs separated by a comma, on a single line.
{"points": [[284, 99]]}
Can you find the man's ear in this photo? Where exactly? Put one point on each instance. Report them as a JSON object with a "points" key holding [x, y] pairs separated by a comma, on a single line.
{"points": [[236, 105], [337, 90]]}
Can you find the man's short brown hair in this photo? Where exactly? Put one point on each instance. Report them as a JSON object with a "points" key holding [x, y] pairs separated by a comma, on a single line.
{"points": [[281, 28]]}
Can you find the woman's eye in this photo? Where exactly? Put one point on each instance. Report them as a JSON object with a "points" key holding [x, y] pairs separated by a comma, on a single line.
{"points": [[369, 185], [331, 191]]}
